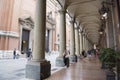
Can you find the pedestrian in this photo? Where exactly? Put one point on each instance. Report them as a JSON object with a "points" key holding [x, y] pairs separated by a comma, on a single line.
{"points": [[29, 54], [89, 54], [14, 54], [66, 58], [97, 53], [84, 54]]}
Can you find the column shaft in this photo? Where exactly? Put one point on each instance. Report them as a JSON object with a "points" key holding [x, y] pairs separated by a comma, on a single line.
{"points": [[110, 33], [39, 31], [62, 45], [81, 42], [73, 57], [86, 44], [77, 42], [50, 39], [72, 39], [62, 32], [39, 68]]}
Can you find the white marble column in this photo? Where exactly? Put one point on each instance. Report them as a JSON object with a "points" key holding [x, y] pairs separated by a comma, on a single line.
{"points": [[39, 31], [38, 65], [86, 44], [62, 32], [72, 42], [77, 42], [81, 42], [72, 39], [50, 39], [62, 46]]}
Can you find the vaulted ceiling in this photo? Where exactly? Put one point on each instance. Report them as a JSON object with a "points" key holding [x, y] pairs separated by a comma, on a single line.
{"points": [[86, 13]]}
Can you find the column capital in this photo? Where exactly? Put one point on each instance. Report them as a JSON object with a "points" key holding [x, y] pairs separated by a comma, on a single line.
{"points": [[62, 11], [81, 31], [72, 20], [77, 28], [83, 34]]}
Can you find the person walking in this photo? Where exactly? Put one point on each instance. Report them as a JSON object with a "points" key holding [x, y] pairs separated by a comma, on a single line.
{"points": [[29, 54], [66, 58], [84, 53], [89, 54], [14, 54]]}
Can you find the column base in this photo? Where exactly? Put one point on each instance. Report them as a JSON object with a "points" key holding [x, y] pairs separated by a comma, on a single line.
{"points": [[38, 70], [60, 62], [73, 58]]}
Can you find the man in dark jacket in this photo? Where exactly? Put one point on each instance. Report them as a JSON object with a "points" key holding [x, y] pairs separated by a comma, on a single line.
{"points": [[14, 54], [29, 54]]}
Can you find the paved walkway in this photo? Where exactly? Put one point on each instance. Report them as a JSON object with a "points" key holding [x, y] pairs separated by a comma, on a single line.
{"points": [[14, 69], [11, 69], [82, 70]]}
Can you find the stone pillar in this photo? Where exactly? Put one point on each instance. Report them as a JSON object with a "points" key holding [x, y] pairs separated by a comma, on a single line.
{"points": [[81, 43], [77, 42], [72, 43], [118, 37], [38, 68], [110, 32], [84, 43], [88, 45], [62, 46], [50, 39]]}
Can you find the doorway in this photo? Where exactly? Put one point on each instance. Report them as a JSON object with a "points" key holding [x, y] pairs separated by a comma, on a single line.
{"points": [[25, 40]]}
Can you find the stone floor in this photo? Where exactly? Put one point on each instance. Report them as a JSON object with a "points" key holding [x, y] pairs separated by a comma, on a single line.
{"points": [[82, 70], [14, 69], [11, 69]]}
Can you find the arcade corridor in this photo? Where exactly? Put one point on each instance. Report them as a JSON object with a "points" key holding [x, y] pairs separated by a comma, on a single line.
{"points": [[75, 26]]}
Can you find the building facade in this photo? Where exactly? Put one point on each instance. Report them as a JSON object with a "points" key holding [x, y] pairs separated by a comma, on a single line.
{"points": [[17, 26]]}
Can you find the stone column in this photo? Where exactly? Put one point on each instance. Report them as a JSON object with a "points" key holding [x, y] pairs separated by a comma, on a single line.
{"points": [[86, 44], [118, 37], [50, 39], [72, 43], [62, 46], [38, 68], [110, 32], [77, 42], [81, 43]]}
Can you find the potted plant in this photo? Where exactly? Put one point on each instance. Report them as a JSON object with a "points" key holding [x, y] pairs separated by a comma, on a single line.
{"points": [[108, 58]]}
